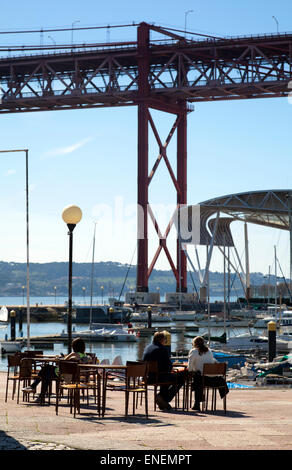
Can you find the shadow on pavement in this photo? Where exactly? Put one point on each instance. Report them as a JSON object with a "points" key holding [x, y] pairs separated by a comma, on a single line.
{"points": [[9, 443]]}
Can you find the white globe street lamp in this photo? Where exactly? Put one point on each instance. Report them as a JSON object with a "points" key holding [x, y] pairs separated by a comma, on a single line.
{"points": [[71, 216]]}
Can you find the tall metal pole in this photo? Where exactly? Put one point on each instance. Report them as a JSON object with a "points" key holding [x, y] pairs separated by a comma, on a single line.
{"points": [[69, 322], [76, 21], [186, 14], [27, 253], [208, 294], [247, 275], [289, 201], [228, 286], [277, 23], [27, 240], [179, 268], [224, 281], [269, 284], [275, 282], [91, 285]]}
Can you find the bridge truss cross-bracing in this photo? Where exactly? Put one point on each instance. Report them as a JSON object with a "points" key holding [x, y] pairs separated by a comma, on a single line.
{"points": [[166, 75]]}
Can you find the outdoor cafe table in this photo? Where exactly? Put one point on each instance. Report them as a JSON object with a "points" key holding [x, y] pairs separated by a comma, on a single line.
{"points": [[46, 359], [177, 367], [105, 368], [43, 360]]}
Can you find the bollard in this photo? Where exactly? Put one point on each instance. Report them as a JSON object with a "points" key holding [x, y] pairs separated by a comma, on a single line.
{"points": [[168, 341], [12, 324], [272, 327], [20, 317], [149, 311], [111, 312]]}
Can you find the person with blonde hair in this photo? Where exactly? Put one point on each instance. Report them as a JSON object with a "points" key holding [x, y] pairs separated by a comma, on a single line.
{"points": [[170, 383]]}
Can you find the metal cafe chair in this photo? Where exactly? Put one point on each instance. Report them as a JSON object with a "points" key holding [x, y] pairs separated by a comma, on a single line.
{"points": [[189, 389], [25, 376], [69, 380], [136, 383], [214, 379], [12, 373], [91, 377], [153, 371]]}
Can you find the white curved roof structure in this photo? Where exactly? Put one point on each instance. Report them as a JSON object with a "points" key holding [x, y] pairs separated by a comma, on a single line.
{"points": [[270, 208]]}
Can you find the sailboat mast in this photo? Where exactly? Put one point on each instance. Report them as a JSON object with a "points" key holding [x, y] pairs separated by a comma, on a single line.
{"points": [[247, 263], [224, 281], [91, 280], [229, 286], [275, 282]]}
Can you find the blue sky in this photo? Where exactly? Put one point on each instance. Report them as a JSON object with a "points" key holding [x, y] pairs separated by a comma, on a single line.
{"points": [[89, 157]]}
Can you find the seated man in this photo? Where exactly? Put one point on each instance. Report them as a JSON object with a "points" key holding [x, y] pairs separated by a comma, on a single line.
{"points": [[157, 351]]}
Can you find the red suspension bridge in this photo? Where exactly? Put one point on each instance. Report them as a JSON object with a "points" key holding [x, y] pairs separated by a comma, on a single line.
{"points": [[166, 75]]}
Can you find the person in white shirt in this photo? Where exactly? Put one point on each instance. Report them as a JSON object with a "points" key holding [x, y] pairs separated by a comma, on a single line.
{"points": [[199, 355]]}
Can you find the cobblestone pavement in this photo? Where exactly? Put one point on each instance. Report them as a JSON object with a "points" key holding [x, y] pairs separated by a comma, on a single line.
{"points": [[9, 443], [256, 419]]}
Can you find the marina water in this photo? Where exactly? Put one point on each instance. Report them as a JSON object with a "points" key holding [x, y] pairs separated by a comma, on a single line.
{"points": [[127, 350]]}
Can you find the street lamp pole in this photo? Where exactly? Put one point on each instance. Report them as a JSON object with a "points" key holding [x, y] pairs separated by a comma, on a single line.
{"points": [[186, 14], [277, 22], [71, 216], [69, 325], [50, 37], [76, 21], [27, 241]]}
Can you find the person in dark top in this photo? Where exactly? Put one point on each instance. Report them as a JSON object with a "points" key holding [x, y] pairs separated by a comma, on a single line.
{"points": [[157, 351]]}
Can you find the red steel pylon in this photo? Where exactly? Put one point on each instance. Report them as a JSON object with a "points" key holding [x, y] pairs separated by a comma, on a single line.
{"points": [[145, 103]]}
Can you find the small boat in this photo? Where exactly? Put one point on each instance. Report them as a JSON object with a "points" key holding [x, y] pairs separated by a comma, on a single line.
{"points": [[232, 359], [99, 314], [280, 366], [3, 316], [9, 346], [106, 333], [285, 318], [286, 336], [244, 313], [282, 319], [216, 321], [155, 317], [181, 315], [263, 322], [246, 341]]}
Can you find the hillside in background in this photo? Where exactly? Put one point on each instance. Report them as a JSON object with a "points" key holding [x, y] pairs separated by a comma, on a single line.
{"points": [[114, 277]]}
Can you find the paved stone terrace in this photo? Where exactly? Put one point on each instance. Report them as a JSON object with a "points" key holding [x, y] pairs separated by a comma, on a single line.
{"points": [[256, 419]]}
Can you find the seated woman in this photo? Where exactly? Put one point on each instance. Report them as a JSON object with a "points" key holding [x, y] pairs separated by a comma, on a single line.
{"points": [[199, 355], [50, 372]]}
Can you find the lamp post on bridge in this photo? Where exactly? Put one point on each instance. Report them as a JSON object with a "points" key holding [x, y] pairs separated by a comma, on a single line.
{"points": [[277, 23], [74, 22], [186, 14]]}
